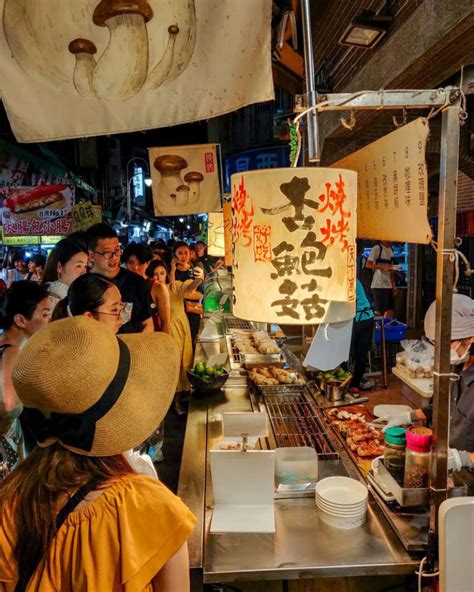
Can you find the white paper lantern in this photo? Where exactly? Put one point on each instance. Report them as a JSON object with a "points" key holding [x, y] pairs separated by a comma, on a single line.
{"points": [[227, 211], [294, 233], [215, 234]]}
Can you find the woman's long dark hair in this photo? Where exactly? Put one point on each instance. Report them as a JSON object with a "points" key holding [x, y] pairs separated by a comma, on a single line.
{"points": [[22, 298], [63, 252], [40, 485], [150, 270], [85, 294]]}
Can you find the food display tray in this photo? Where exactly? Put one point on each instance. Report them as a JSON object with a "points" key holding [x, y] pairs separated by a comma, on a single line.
{"points": [[283, 387], [364, 463], [257, 360]]}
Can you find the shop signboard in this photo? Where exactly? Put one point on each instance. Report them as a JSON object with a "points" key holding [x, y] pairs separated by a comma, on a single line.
{"points": [[294, 257], [393, 185], [17, 241], [272, 157], [84, 215], [36, 211], [185, 179], [129, 66]]}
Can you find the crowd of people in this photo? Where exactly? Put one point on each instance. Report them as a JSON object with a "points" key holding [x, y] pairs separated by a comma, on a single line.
{"points": [[96, 344]]}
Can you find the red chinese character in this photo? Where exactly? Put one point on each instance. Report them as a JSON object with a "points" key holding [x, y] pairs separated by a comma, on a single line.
{"points": [[243, 216], [333, 203], [262, 242], [209, 161]]}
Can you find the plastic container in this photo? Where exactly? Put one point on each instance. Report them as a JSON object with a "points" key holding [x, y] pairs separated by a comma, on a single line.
{"points": [[418, 457], [296, 465], [394, 331], [394, 453]]}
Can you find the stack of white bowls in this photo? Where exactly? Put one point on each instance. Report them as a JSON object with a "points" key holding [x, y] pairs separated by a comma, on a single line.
{"points": [[341, 502]]}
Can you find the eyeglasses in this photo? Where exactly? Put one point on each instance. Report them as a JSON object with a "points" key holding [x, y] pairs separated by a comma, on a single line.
{"points": [[109, 254], [119, 315]]}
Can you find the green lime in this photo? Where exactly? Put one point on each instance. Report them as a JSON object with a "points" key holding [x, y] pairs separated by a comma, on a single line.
{"points": [[200, 368], [210, 370]]}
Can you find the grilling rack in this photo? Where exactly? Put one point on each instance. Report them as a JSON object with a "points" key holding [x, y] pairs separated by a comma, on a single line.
{"points": [[295, 423], [234, 354]]}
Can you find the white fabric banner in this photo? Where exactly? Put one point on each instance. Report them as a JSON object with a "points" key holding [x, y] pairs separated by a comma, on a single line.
{"points": [[185, 179], [90, 67]]}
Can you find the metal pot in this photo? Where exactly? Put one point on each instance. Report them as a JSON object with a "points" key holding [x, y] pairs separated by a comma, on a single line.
{"points": [[334, 390]]}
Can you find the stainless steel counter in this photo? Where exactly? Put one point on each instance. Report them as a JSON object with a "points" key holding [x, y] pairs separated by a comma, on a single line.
{"points": [[302, 546]]}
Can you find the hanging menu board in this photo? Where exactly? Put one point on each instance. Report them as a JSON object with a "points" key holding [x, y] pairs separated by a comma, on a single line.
{"points": [[392, 185]]}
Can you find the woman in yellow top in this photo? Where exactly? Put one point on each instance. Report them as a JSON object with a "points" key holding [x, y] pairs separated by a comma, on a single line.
{"points": [[74, 516], [179, 325]]}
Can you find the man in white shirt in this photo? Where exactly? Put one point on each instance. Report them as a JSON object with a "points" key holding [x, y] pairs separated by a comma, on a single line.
{"points": [[383, 281]]}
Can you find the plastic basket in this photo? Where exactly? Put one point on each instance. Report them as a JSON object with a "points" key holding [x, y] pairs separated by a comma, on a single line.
{"points": [[394, 331]]}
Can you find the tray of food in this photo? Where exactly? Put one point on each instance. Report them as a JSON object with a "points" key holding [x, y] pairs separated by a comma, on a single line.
{"points": [[353, 426], [272, 378], [256, 348]]}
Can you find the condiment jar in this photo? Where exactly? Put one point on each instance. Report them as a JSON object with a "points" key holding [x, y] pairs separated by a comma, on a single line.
{"points": [[394, 453], [418, 457]]}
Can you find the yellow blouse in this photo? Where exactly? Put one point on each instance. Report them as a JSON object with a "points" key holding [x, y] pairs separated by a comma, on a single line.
{"points": [[119, 542]]}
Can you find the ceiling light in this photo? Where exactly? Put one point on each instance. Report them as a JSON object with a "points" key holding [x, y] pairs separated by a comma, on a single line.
{"points": [[366, 30]]}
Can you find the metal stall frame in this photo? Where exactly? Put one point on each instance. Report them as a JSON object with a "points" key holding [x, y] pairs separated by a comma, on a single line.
{"points": [[449, 102]]}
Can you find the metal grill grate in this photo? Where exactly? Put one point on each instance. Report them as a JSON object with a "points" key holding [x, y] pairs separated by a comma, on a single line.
{"points": [[233, 351], [233, 323], [295, 423]]}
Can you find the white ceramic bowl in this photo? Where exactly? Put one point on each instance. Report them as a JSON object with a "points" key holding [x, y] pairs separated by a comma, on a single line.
{"points": [[342, 491], [337, 506], [343, 522], [340, 512]]}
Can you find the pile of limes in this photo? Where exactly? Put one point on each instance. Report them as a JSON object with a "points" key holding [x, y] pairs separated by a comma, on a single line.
{"points": [[206, 372], [337, 374]]}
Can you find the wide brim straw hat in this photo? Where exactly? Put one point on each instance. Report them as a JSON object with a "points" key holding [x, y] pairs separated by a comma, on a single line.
{"points": [[98, 394]]}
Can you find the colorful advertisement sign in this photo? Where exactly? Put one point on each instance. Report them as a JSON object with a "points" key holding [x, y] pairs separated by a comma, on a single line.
{"points": [[36, 211], [84, 215]]}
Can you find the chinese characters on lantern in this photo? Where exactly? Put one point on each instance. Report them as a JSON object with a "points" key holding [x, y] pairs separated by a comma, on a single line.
{"points": [[303, 233]]}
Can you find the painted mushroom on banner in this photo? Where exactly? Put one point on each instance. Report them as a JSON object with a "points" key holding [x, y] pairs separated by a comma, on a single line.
{"points": [[294, 232], [185, 179]]}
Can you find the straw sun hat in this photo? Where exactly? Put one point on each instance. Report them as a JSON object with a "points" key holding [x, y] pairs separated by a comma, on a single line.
{"points": [[95, 393]]}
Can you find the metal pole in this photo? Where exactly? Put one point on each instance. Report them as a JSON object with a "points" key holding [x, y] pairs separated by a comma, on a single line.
{"points": [[449, 159], [312, 118]]}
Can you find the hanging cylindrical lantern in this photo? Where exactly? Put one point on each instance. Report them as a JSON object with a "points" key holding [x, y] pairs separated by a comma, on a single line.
{"points": [[215, 234], [294, 233], [227, 211]]}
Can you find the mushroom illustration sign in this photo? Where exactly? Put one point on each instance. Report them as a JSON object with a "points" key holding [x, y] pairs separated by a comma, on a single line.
{"points": [[127, 65], [185, 179]]}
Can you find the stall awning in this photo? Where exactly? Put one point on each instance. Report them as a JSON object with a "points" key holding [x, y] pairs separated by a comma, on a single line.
{"points": [[19, 167]]}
